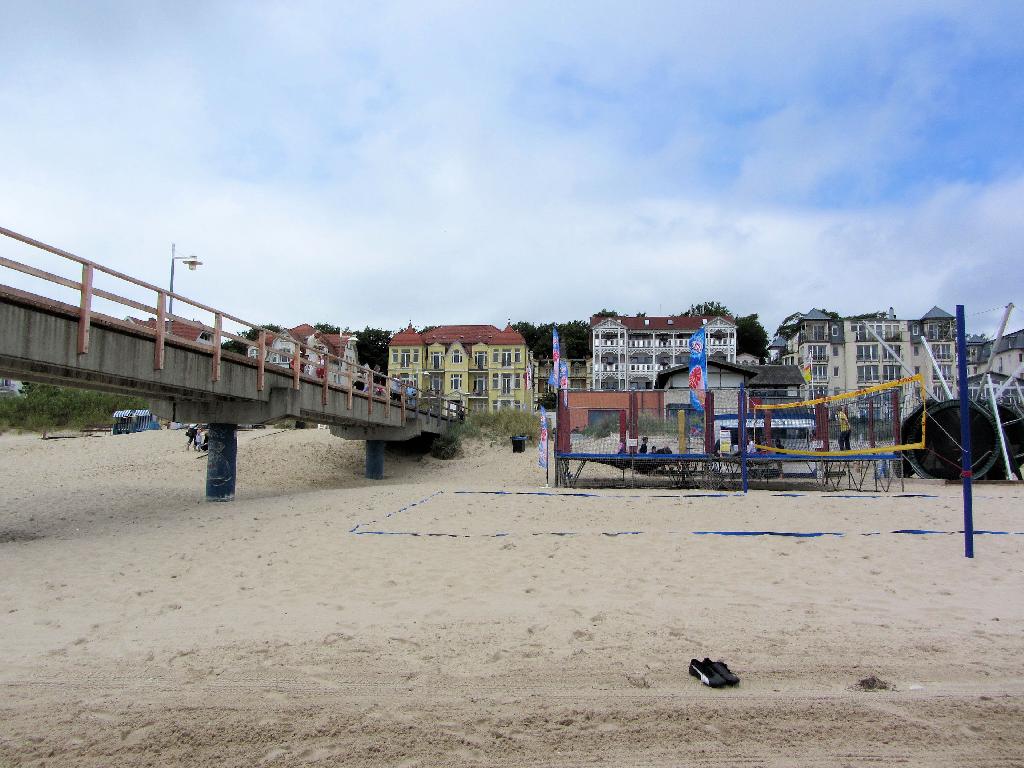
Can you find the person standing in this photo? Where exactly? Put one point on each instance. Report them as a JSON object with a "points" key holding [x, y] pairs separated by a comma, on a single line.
{"points": [[190, 433], [844, 430]]}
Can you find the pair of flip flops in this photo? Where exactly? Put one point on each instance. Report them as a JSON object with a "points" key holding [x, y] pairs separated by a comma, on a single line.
{"points": [[715, 674]]}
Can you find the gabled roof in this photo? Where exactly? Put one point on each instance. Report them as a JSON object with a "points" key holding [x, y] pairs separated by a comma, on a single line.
{"points": [[472, 334], [407, 337], [815, 314], [778, 341], [177, 328], [303, 331], [665, 323], [335, 342], [937, 313]]}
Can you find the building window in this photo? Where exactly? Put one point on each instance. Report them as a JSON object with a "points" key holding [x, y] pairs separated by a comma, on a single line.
{"points": [[494, 381], [835, 371], [435, 382], [457, 381], [835, 351], [890, 372], [819, 372], [437, 361], [394, 356], [517, 383], [506, 358], [416, 356], [405, 359], [496, 357], [917, 369], [835, 330], [867, 374], [481, 360], [506, 383], [518, 358], [867, 352], [456, 356]]}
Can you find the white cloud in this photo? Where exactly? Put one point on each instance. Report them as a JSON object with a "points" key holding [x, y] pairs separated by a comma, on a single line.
{"points": [[368, 166]]}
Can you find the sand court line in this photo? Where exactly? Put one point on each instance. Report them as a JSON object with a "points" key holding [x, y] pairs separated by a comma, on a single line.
{"points": [[365, 529]]}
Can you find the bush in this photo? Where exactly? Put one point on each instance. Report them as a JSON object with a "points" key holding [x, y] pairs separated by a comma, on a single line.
{"points": [[448, 445], [42, 406], [501, 425]]}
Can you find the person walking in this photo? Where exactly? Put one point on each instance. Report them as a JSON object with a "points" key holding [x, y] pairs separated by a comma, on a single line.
{"points": [[844, 430], [190, 433]]}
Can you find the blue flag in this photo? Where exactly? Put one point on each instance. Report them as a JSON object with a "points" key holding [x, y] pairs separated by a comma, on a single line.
{"points": [[698, 369], [555, 357]]}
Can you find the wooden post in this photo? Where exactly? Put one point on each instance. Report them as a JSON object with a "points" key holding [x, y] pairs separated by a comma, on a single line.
{"points": [[368, 380], [218, 322], [85, 310], [871, 423], [296, 365], [766, 432], [262, 354], [896, 426], [351, 382], [387, 397], [161, 322], [821, 424], [327, 369]]}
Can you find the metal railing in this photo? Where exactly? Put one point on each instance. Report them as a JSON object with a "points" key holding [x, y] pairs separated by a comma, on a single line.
{"points": [[359, 380]]}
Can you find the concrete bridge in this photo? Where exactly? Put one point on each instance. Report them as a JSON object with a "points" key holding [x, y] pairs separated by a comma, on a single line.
{"points": [[54, 342]]}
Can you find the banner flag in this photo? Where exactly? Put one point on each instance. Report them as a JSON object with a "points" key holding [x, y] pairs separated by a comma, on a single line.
{"points": [[555, 357], [698, 369], [542, 444], [805, 369], [528, 376], [563, 380]]}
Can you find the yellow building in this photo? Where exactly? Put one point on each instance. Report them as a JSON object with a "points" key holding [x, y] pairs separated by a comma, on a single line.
{"points": [[483, 367]]}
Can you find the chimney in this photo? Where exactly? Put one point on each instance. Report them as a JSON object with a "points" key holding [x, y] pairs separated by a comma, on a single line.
{"points": [[892, 313]]}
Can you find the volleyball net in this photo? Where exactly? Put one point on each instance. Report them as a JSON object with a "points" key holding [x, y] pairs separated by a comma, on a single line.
{"points": [[863, 422]]}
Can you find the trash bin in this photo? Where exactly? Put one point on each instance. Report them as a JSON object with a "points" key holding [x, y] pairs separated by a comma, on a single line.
{"points": [[518, 443]]}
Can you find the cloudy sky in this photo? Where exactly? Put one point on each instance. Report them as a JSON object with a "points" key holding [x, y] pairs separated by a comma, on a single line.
{"points": [[470, 162]]}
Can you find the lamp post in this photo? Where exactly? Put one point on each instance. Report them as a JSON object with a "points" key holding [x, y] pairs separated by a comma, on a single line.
{"points": [[189, 261]]}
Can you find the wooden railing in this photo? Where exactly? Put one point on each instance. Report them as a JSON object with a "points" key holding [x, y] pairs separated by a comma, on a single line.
{"points": [[358, 380]]}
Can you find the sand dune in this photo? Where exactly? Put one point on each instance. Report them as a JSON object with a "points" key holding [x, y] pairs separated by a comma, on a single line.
{"points": [[424, 620]]}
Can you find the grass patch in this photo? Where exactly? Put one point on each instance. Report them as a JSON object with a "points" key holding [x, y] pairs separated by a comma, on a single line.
{"points": [[44, 407], [497, 427]]}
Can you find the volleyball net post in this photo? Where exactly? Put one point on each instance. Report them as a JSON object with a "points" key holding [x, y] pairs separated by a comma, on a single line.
{"points": [[965, 430]]}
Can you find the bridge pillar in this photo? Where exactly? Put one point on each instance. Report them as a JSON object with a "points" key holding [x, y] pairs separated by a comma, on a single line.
{"points": [[221, 462], [375, 459]]}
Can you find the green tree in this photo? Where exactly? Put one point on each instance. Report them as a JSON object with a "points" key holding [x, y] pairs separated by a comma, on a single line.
{"points": [[606, 313], [327, 328], [707, 308], [751, 337], [372, 347]]}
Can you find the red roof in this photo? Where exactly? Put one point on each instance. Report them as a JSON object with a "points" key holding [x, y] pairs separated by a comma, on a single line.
{"points": [[678, 322], [178, 328], [408, 337], [335, 342], [471, 334], [303, 331]]}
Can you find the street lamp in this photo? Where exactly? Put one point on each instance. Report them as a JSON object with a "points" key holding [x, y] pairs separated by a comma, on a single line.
{"points": [[189, 261]]}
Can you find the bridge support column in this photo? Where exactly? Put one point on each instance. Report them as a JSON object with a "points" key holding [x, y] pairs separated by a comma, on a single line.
{"points": [[375, 459], [221, 462]]}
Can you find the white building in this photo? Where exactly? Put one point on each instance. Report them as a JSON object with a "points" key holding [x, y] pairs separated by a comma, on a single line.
{"points": [[629, 352], [845, 355]]}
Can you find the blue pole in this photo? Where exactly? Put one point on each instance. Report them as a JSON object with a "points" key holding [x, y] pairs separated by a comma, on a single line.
{"points": [[375, 459], [221, 462], [743, 434], [965, 430]]}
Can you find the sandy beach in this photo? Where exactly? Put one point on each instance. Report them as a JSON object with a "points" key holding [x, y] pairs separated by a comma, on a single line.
{"points": [[452, 616]]}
